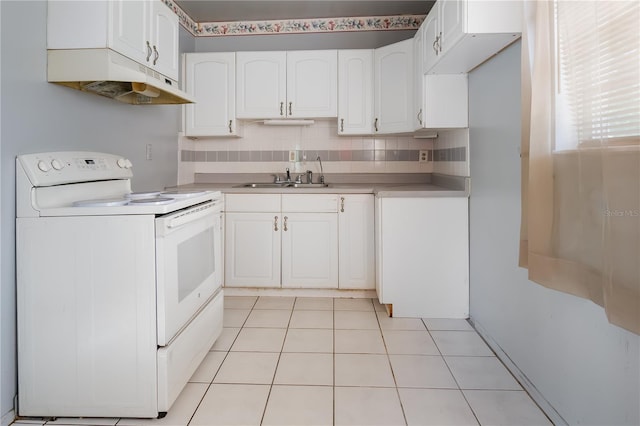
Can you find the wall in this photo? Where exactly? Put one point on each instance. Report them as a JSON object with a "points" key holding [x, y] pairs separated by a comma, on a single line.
{"points": [[38, 116], [585, 368]]}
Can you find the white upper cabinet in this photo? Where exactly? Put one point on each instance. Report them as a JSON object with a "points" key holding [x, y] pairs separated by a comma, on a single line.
{"points": [[312, 83], [441, 100], [461, 34], [261, 79], [296, 84], [393, 88], [146, 31], [211, 79], [165, 40], [355, 92]]}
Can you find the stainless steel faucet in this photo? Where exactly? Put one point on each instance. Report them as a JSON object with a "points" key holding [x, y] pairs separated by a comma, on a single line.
{"points": [[288, 179], [321, 170], [309, 176]]}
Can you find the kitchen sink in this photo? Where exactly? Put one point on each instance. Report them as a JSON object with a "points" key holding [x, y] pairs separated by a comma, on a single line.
{"points": [[264, 185], [282, 185]]}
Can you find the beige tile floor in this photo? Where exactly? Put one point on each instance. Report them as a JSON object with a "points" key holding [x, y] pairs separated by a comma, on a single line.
{"points": [[323, 361]]}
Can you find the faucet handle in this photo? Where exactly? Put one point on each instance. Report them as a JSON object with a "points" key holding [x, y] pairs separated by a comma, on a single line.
{"points": [[299, 179], [276, 178]]}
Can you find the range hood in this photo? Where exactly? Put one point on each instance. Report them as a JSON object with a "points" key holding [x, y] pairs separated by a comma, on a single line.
{"points": [[107, 73]]}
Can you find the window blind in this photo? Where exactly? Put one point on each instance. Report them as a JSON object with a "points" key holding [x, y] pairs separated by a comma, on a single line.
{"points": [[598, 45]]}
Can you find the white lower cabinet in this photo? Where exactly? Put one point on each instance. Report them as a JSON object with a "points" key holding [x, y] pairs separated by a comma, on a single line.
{"points": [[252, 250], [356, 242], [300, 241], [309, 250], [422, 256]]}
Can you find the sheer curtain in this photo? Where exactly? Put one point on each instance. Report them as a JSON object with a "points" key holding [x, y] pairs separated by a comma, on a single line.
{"points": [[580, 229]]}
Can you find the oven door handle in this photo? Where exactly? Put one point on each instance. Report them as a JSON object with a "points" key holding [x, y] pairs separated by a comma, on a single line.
{"points": [[190, 215]]}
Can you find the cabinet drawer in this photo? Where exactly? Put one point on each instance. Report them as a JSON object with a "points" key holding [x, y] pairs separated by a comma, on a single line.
{"points": [[312, 203], [252, 203]]}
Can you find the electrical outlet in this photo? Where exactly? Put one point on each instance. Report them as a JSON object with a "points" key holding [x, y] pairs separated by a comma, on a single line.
{"points": [[292, 156], [424, 156], [149, 152]]}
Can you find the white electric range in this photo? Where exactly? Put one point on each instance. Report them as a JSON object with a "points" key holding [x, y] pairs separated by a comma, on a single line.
{"points": [[119, 293]]}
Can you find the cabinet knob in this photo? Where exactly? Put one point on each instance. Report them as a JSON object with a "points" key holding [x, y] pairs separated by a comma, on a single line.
{"points": [[342, 125], [281, 108], [149, 51], [420, 116], [230, 126], [275, 223], [290, 106], [375, 124], [284, 228], [156, 55], [342, 204]]}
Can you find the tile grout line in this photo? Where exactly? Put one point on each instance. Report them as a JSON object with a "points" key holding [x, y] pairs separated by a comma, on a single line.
{"points": [[386, 350]]}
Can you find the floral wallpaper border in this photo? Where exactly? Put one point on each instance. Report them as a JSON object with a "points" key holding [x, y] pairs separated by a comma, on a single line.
{"points": [[293, 26]]}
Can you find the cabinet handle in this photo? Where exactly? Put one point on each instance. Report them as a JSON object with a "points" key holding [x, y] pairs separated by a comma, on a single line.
{"points": [[342, 204], [290, 112], [435, 45], [440, 42], [285, 224], [341, 125], [420, 116], [281, 108], [230, 126], [375, 124], [149, 51], [275, 223], [157, 55]]}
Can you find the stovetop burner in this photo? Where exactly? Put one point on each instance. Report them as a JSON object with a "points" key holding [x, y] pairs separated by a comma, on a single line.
{"points": [[111, 202], [157, 201]]}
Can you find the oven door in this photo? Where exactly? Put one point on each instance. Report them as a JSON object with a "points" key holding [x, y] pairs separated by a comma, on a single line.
{"points": [[188, 265]]}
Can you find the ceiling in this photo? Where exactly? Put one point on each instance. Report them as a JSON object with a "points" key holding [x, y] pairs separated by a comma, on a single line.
{"points": [[257, 10]]}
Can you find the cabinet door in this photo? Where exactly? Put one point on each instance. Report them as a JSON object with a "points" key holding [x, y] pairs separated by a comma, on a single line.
{"points": [[165, 33], [418, 79], [452, 24], [431, 37], [130, 29], [211, 79], [355, 92], [356, 258], [312, 83], [393, 76], [261, 84], [310, 250], [252, 250]]}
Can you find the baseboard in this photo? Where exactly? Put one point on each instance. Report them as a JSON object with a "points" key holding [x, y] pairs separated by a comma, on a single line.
{"points": [[8, 418], [535, 394], [298, 292]]}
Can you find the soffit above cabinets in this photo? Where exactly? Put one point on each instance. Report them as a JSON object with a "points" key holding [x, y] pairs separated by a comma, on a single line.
{"points": [[211, 18]]}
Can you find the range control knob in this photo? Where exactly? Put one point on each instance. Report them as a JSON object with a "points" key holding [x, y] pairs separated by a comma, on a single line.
{"points": [[57, 165], [43, 166], [122, 163], [129, 164]]}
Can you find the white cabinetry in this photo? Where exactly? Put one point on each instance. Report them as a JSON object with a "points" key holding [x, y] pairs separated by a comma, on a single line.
{"points": [[461, 34], [288, 240], [210, 78], [422, 256], [393, 88], [146, 31], [356, 242], [252, 240], [295, 84], [441, 100], [355, 92]]}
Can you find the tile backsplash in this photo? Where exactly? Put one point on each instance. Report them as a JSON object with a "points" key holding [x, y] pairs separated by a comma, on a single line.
{"points": [[267, 149]]}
